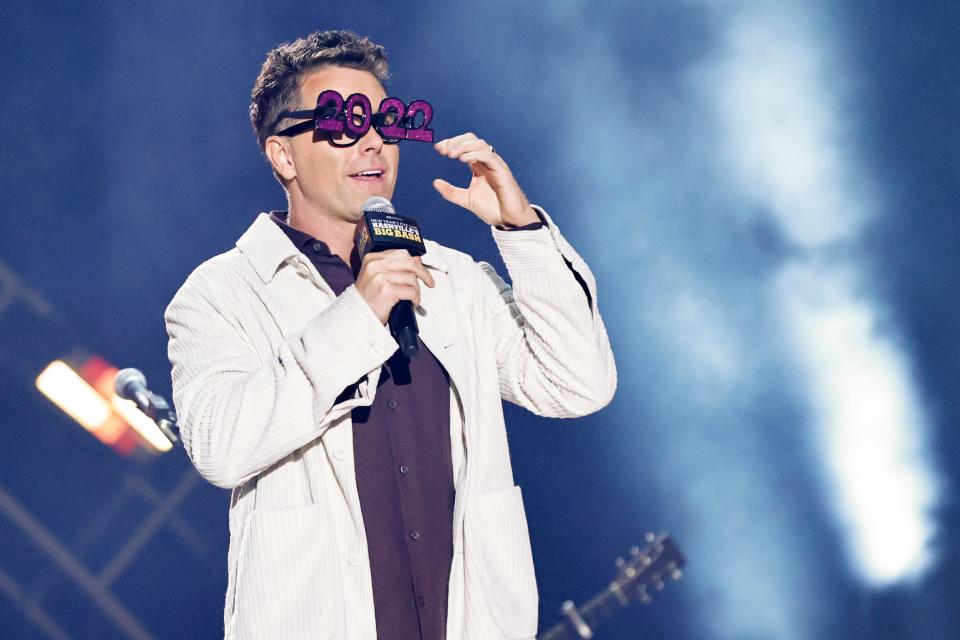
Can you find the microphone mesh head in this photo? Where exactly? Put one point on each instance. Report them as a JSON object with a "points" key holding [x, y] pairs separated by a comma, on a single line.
{"points": [[126, 376], [377, 205]]}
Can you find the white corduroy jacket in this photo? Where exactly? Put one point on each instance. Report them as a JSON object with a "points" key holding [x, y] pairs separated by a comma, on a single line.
{"points": [[261, 348]]}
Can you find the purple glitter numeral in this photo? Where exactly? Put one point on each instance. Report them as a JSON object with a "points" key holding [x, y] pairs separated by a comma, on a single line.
{"points": [[329, 119], [396, 129], [358, 99], [421, 133]]}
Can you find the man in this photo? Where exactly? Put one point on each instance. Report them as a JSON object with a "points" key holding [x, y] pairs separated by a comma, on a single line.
{"points": [[372, 496]]}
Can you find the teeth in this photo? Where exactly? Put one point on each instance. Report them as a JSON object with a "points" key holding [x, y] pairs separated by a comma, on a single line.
{"points": [[370, 173]]}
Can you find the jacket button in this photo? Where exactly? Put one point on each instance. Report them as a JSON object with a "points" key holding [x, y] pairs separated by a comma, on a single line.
{"points": [[414, 535], [392, 403], [404, 470]]}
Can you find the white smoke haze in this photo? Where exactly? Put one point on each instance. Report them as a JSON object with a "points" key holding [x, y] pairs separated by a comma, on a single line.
{"points": [[753, 136], [785, 137], [871, 427], [695, 308]]}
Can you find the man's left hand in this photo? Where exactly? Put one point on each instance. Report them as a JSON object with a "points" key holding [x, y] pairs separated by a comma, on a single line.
{"points": [[493, 194]]}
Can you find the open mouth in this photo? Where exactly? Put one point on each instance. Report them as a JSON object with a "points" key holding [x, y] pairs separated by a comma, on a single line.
{"points": [[370, 174]]}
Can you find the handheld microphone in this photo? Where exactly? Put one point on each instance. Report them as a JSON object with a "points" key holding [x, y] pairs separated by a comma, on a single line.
{"points": [[379, 229], [131, 384]]}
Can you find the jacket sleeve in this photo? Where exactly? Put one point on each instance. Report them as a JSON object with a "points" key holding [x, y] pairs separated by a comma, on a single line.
{"points": [[240, 413], [553, 354]]}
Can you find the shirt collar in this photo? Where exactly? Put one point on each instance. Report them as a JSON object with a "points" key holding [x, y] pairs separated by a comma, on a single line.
{"points": [[267, 247], [300, 239]]}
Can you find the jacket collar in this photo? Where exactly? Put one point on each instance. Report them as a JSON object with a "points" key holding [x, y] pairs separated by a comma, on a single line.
{"points": [[267, 247], [432, 257]]}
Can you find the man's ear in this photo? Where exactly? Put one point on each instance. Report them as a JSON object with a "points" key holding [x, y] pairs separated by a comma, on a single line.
{"points": [[281, 159]]}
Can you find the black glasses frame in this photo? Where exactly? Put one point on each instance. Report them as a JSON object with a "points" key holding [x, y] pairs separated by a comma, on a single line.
{"points": [[328, 110], [378, 120]]}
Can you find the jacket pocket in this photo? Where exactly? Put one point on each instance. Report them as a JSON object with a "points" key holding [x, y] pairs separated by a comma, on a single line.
{"points": [[287, 577], [499, 535]]}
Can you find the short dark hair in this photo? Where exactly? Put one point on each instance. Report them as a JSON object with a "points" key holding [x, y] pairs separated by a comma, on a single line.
{"points": [[277, 88]]}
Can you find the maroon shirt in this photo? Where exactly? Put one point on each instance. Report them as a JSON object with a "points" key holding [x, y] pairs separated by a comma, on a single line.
{"points": [[404, 476]]}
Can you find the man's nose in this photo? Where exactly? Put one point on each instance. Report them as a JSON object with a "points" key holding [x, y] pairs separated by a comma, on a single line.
{"points": [[371, 142]]}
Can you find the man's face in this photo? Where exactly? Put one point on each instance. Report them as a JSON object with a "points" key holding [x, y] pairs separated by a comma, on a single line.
{"points": [[329, 177]]}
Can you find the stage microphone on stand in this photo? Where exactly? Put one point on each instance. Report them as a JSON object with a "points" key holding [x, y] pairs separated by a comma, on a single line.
{"points": [[379, 229], [131, 384]]}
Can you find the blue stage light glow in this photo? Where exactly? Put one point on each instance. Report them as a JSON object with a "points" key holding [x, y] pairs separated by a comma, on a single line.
{"points": [[730, 179], [787, 124]]}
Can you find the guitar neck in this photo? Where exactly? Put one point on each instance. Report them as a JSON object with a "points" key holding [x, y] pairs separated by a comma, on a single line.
{"points": [[659, 561], [593, 612]]}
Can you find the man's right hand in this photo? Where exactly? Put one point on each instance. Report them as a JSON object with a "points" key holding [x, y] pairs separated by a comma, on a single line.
{"points": [[387, 277]]}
